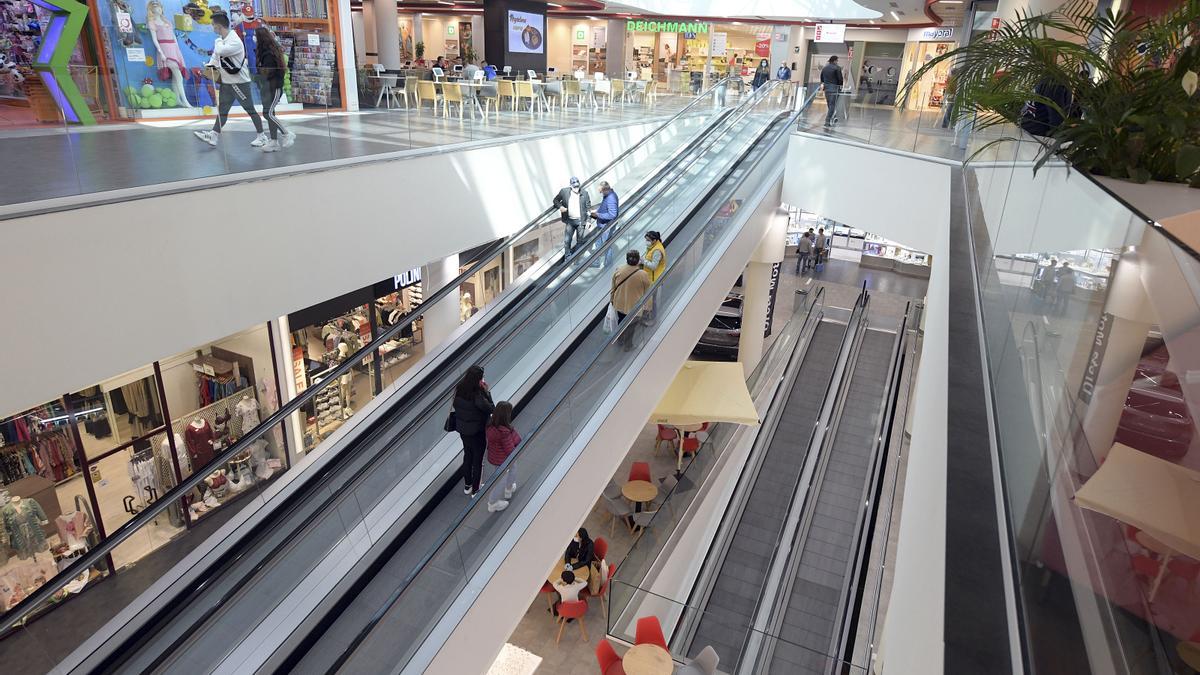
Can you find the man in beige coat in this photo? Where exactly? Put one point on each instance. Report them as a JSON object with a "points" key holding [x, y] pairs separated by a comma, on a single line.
{"points": [[629, 284]]}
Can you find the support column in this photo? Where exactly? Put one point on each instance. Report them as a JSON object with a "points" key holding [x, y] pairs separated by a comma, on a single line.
{"points": [[370, 48], [387, 33], [419, 35], [442, 319], [758, 292]]}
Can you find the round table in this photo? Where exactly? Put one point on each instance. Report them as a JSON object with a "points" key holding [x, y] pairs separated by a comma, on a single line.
{"points": [[640, 491], [555, 576], [647, 659]]}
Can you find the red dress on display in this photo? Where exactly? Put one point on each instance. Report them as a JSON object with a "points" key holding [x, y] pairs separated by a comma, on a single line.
{"points": [[199, 442]]}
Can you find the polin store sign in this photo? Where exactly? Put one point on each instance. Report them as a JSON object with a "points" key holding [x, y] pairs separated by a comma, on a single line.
{"points": [[665, 27]]}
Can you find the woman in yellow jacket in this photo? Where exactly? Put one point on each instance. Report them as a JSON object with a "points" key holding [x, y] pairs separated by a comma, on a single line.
{"points": [[655, 263]]}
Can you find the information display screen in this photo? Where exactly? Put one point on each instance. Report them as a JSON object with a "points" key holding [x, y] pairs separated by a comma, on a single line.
{"points": [[526, 33]]}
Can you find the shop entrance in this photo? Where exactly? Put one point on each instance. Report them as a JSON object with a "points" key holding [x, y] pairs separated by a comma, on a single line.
{"points": [[930, 92]]}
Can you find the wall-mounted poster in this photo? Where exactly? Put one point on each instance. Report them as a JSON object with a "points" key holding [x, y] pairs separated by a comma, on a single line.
{"points": [[599, 37], [526, 33]]}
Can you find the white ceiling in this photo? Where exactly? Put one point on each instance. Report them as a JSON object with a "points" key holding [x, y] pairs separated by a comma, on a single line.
{"points": [[878, 12]]}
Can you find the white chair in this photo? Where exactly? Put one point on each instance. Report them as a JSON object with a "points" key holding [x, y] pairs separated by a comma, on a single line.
{"points": [[387, 85], [641, 519], [617, 509], [705, 663], [603, 90], [612, 490]]}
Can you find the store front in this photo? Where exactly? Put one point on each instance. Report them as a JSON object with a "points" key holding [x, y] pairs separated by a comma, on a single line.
{"points": [[676, 53], [75, 469], [574, 46], [854, 245], [737, 49], [159, 49], [323, 336], [926, 44]]}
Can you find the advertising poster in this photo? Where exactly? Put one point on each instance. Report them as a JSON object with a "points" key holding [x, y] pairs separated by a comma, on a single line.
{"points": [[719, 43], [526, 33], [599, 37], [830, 32]]}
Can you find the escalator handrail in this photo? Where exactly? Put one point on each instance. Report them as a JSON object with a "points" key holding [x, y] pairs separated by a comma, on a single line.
{"points": [[34, 601], [458, 521]]}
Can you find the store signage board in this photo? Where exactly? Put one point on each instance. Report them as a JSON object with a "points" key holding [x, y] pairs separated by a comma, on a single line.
{"points": [[406, 279], [599, 37], [830, 32], [775, 268], [135, 55], [450, 29], [124, 22], [640, 26], [204, 368], [762, 48], [938, 34], [314, 40], [580, 37], [719, 44]]}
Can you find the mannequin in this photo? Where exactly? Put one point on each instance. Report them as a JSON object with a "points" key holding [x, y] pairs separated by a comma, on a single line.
{"points": [[344, 381], [199, 438], [162, 32], [185, 466], [23, 521], [247, 412], [465, 307]]}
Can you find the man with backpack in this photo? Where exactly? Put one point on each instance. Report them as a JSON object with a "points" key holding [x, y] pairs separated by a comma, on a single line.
{"points": [[229, 63]]}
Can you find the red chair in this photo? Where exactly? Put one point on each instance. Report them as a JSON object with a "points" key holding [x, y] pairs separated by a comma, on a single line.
{"points": [[548, 589], [610, 663], [640, 471], [600, 548], [649, 631], [571, 610], [691, 444], [668, 435], [602, 592]]}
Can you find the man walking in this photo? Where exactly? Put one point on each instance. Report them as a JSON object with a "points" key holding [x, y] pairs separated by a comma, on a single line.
{"points": [[803, 253], [819, 246], [573, 205], [610, 208], [229, 62], [831, 82]]}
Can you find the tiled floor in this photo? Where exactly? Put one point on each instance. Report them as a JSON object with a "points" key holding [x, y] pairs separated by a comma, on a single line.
{"points": [[112, 156], [536, 631]]}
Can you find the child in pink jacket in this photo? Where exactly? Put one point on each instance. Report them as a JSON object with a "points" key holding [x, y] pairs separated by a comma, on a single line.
{"points": [[502, 440]]}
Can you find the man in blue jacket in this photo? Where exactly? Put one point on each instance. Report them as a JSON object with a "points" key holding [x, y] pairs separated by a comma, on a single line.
{"points": [[605, 214]]}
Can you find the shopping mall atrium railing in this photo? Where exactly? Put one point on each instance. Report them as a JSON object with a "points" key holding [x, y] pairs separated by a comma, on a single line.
{"points": [[418, 604], [72, 166], [1089, 313], [624, 167]]}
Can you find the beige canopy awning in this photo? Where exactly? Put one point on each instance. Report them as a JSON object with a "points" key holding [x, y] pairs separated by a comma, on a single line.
{"points": [[1152, 494], [707, 391]]}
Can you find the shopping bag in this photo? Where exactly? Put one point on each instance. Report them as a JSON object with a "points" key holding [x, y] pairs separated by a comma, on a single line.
{"points": [[451, 423], [610, 320]]}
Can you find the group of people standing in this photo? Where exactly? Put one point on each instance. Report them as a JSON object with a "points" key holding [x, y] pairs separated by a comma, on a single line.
{"points": [[1055, 284], [232, 74], [812, 250]]}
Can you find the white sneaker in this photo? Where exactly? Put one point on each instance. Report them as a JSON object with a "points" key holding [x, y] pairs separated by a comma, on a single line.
{"points": [[260, 140], [209, 137], [498, 505], [289, 139], [468, 491], [271, 145], [510, 490]]}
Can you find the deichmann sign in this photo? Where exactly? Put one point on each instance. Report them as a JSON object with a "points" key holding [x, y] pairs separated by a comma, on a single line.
{"points": [[665, 27]]}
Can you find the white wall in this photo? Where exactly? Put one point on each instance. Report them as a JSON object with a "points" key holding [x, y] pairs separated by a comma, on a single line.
{"points": [[347, 27], [909, 198], [210, 263]]}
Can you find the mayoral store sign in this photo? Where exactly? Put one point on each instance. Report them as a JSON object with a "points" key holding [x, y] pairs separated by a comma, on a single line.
{"points": [[665, 27]]}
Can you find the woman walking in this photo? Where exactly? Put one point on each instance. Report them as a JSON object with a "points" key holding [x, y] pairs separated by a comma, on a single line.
{"points": [[761, 74], [272, 64], [502, 440], [472, 408]]}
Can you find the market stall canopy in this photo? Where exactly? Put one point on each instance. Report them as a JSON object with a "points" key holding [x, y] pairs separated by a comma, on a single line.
{"points": [[1152, 494], [707, 391]]}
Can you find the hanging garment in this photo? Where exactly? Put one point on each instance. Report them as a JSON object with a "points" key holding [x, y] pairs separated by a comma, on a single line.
{"points": [[24, 520], [199, 443], [142, 475], [136, 400], [72, 529]]}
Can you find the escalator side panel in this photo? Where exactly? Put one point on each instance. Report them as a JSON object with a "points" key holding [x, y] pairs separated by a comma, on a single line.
{"points": [[735, 591], [812, 611]]}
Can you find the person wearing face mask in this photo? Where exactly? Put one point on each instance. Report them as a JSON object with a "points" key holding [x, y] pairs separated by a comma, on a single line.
{"points": [[472, 408], [654, 261], [605, 215], [761, 74], [574, 205], [581, 551]]}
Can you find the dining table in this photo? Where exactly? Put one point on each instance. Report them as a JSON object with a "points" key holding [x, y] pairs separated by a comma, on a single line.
{"points": [[647, 659], [581, 573], [640, 492]]}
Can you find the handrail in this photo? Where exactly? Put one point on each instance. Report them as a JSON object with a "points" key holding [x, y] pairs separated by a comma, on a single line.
{"points": [[848, 605], [14, 616], [449, 531]]}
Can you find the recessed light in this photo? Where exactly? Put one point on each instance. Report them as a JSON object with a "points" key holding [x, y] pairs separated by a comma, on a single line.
{"points": [[554, 5], [895, 15], [951, 2], [592, 18]]}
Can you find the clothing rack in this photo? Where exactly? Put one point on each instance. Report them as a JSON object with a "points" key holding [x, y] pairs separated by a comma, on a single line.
{"points": [[50, 454], [208, 413]]}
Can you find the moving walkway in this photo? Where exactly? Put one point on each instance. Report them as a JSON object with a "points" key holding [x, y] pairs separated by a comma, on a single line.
{"points": [[344, 547]]}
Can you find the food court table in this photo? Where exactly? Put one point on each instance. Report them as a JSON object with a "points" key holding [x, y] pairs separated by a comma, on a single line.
{"points": [[581, 573], [647, 659], [639, 492]]}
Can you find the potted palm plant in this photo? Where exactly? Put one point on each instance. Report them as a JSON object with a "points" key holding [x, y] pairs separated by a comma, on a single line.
{"points": [[1112, 93]]}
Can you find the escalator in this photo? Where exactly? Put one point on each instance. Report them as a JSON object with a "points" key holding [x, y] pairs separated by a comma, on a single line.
{"points": [[320, 567], [780, 577]]}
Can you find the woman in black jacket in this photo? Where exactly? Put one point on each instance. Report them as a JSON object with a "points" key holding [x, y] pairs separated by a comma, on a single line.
{"points": [[581, 550], [472, 408], [761, 74], [271, 66]]}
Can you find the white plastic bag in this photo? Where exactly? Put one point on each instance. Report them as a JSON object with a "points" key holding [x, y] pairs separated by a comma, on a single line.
{"points": [[610, 320]]}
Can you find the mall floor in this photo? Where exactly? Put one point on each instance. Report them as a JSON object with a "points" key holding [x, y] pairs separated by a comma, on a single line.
{"points": [[531, 647], [73, 161]]}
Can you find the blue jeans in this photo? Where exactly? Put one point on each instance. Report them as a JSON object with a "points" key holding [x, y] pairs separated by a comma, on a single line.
{"points": [[571, 236], [601, 240]]}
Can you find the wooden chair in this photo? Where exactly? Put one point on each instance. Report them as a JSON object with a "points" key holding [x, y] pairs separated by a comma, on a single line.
{"points": [[668, 435], [600, 548], [410, 90], [606, 656], [452, 93], [602, 592], [639, 471], [505, 89], [524, 90], [651, 95], [427, 91], [603, 91], [618, 509], [489, 93], [641, 520], [548, 591], [649, 631], [572, 610], [617, 91]]}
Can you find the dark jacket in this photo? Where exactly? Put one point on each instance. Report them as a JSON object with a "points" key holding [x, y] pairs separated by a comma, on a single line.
{"points": [[585, 202], [761, 75], [831, 77], [583, 551], [269, 67], [470, 415]]}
